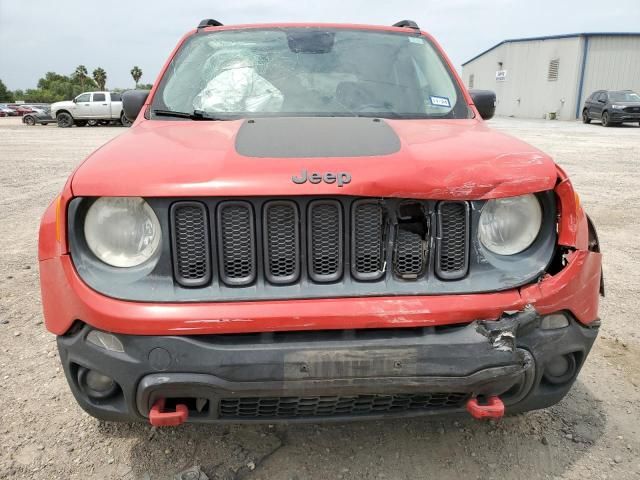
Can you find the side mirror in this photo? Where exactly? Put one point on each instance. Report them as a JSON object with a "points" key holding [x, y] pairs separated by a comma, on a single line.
{"points": [[132, 102], [600, 100], [75, 100], [485, 102]]}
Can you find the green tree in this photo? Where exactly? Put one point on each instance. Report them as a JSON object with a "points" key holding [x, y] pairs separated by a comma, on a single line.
{"points": [[145, 86], [100, 76], [136, 73], [5, 93], [81, 74]]}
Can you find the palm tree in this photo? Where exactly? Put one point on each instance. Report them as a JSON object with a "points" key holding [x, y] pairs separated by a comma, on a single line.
{"points": [[100, 76], [136, 73], [81, 74]]}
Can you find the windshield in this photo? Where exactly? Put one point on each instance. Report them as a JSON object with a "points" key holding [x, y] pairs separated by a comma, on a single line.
{"points": [[624, 97], [310, 72]]}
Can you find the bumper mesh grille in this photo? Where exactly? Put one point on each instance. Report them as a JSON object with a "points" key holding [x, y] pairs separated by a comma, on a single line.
{"points": [[325, 234], [368, 244], [192, 263], [326, 406], [237, 243], [282, 255], [453, 247], [410, 256]]}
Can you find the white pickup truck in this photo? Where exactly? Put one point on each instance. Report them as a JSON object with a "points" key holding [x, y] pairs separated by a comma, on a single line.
{"points": [[89, 107]]}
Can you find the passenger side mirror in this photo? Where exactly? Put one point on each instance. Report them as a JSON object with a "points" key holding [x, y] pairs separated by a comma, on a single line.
{"points": [[485, 102], [75, 100], [132, 102]]}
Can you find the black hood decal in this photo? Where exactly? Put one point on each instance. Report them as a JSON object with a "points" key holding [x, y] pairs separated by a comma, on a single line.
{"points": [[294, 137]]}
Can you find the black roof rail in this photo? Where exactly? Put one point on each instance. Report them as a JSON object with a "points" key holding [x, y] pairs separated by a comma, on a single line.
{"points": [[407, 24], [209, 22]]}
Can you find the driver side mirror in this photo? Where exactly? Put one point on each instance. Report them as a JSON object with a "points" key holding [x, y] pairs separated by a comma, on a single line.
{"points": [[132, 102], [485, 102], [602, 100], [75, 100]]}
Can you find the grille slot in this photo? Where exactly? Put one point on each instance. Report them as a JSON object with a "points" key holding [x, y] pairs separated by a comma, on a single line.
{"points": [[452, 261], [325, 237], [410, 257], [367, 252], [191, 246], [236, 240], [329, 406], [281, 242]]}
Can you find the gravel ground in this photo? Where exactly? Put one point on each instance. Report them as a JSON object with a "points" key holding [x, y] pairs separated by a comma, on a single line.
{"points": [[594, 433]]}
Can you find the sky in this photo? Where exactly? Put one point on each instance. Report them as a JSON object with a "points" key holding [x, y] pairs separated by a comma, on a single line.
{"points": [[37, 36]]}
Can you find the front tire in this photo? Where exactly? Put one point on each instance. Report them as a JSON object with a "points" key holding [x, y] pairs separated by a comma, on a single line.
{"points": [[29, 120], [585, 116], [65, 120], [606, 121], [125, 121]]}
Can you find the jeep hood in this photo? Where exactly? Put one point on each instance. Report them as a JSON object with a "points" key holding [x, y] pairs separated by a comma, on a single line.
{"points": [[438, 159]]}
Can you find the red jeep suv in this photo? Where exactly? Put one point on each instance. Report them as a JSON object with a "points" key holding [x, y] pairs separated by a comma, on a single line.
{"points": [[313, 222]]}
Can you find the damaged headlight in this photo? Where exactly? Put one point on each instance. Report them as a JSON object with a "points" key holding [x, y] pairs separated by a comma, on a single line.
{"points": [[509, 225], [122, 231]]}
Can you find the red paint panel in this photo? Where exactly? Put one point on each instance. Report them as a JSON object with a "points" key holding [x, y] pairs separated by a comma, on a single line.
{"points": [[438, 159], [576, 288]]}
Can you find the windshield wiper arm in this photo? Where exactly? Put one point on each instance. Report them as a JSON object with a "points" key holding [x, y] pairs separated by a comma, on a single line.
{"points": [[196, 115]]}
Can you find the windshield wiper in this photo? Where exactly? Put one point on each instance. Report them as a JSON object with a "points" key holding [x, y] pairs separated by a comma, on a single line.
{"points": [[196, 115]]}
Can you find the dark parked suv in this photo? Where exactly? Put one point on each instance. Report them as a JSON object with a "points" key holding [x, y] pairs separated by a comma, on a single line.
{"points": [[612, 107]]}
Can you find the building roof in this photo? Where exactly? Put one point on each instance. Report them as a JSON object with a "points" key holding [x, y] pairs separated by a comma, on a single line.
{"points": [[554, 37]]}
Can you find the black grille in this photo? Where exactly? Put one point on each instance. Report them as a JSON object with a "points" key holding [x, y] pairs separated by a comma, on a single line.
{"points": [[410, 258], [325, 406], [237, 243], [282, 242], [286, 242], [368, 242], [453, 241], [192, 259], [325, 238]]}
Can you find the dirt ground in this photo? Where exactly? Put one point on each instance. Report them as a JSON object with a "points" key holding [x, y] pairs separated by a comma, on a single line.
{"points": [[593, 434]]}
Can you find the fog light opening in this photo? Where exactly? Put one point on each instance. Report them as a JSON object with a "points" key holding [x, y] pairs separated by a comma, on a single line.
{"points": [[95, 384], [554, 321], [560, 369]]}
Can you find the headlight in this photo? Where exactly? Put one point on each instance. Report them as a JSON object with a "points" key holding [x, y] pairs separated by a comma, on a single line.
{"points": [[122, 231], [618, 107], [509, 225]]}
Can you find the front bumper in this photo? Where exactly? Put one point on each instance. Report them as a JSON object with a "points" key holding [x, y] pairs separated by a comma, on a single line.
{"points": [[330, 375], [618, 116]]}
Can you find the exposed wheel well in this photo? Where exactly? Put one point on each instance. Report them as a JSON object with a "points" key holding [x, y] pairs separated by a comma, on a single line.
{"points": [[63, 111]]}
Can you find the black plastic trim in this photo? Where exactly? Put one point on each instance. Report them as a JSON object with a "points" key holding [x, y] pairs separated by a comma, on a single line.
{"points": [[248, 279], [339, 270], [383, 254], [276, 280], [461, 273], [189, 282]]}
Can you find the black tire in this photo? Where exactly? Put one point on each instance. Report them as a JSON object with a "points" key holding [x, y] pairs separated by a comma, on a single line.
{"points": [[81, 123], [606, 122], [65, 120], [29, 120], [125, 121], [585, 116]]}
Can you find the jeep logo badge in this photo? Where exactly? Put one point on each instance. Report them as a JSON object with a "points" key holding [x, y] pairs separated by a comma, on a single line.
{"points": [[341, 178]]}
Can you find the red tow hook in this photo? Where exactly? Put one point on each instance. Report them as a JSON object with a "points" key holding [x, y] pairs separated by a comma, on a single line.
{"points": [[158, 418], [493, 408]]}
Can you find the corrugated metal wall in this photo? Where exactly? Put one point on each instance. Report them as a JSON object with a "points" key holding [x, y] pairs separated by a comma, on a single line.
{"points": [[612, 63], [526, 91]]}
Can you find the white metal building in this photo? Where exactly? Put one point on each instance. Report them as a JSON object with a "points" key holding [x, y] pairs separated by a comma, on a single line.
{"points": [[543, 77]]}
